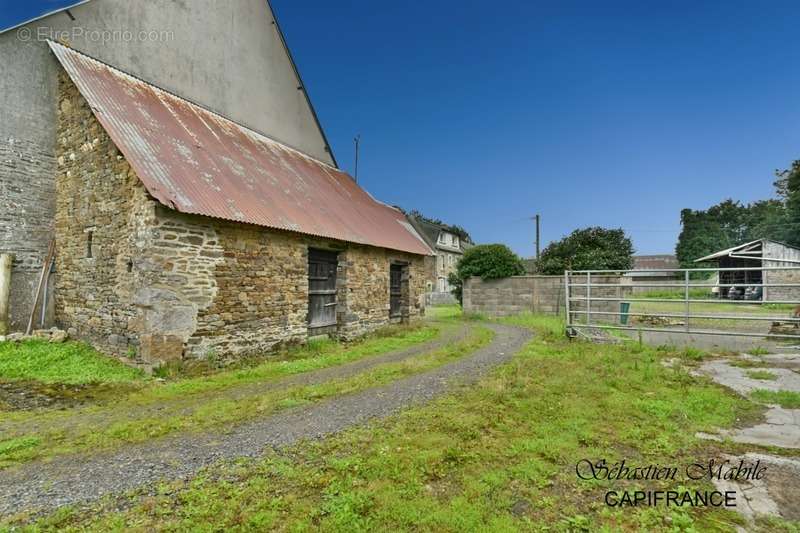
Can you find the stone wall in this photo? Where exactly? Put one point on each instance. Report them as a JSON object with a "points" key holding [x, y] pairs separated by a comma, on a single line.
{"points": [[27, 166], [137, 278], [259, 89], [541, 294]]}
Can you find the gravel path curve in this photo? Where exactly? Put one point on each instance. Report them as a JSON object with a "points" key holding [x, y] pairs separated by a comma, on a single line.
{"points": [[187, 405], [77, 480]]}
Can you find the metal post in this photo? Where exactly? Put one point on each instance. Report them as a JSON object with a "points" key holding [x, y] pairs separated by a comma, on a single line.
{"points": [[566, 303], [538, 218], [357, 141], [686, 296], [588, 298], [5, 291]]}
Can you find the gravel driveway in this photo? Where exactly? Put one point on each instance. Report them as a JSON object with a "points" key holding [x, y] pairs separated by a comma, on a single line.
{"points": [[190, 403], [76, 480]]}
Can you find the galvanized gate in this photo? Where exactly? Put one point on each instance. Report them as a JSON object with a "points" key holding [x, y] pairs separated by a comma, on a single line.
{"points": [[692, 301]]}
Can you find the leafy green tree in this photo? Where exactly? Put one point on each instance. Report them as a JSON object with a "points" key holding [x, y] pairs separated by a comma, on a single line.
{"points": [[704, 232], [588, 249], [488, 261], [788, 186], [730, 222]]}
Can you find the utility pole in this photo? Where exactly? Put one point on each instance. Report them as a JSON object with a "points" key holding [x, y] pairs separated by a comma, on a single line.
{"points": [[537, 219], [357, 141]]}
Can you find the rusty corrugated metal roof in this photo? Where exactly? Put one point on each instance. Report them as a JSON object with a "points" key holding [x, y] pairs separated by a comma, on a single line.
{"points": [[195, 161]]}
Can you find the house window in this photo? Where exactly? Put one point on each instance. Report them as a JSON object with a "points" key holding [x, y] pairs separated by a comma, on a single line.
{"points": [[442, 238], [455, 240]]}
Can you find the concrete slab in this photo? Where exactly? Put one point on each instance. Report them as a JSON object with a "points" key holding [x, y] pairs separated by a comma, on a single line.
{"points": [[782, 429], [721, 371], [777, 493]]}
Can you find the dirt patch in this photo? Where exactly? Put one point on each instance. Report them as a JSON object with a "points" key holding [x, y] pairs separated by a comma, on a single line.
{"points": [[26, 395]]}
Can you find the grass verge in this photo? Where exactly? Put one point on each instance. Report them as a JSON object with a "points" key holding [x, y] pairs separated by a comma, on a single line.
{"points": [[72, 363], [499, 456]]}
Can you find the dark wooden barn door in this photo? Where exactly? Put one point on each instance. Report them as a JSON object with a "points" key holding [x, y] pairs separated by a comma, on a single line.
{"points": [[321, 288], [395, 290]]}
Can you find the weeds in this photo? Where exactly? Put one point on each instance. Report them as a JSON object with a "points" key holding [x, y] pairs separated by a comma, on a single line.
{"points": [[764, 375], [784, 398]]}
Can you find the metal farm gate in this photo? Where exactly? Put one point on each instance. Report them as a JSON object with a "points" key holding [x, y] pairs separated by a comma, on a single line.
{"points": [[690, 301]]}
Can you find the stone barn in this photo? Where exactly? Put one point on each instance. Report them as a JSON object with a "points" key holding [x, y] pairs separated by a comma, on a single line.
{"points": [[181, 233]]}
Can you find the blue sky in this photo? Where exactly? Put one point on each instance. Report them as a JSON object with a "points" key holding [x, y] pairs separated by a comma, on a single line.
{"points": [[616, 114]]}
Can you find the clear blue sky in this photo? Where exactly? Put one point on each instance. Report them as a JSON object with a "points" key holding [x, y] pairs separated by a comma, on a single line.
{"points": [[616, 114]]}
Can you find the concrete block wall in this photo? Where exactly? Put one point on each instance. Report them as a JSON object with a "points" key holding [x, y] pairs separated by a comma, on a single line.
{"points": [[514, 295], [542, 294]]}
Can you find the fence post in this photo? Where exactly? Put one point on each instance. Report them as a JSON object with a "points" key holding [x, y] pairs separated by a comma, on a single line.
{"points": [[566, 302], [686, 296], [5, 289], [588, 298]]}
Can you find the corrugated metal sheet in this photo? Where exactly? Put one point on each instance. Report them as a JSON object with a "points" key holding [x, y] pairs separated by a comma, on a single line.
{"points": [[195, 161]]}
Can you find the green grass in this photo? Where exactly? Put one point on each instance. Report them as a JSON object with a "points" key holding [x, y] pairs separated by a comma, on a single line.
{"points": [[764, 375], [127, 422], [497, 456], [784, 398], [676, 294], [758, 350], [70, 362], [443, 311]]}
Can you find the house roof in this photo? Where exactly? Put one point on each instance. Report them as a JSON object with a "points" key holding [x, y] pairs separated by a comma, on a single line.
{"points": [[655, 262], [195, 161], [741, 248], [430, 232]]}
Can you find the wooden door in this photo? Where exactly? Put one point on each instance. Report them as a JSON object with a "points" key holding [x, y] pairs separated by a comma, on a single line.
{"points": [[321, 288], [395, 290]]}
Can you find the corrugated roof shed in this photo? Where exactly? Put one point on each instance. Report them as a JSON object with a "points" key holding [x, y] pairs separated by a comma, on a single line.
{"points": [[195, 161], [753, 248]]}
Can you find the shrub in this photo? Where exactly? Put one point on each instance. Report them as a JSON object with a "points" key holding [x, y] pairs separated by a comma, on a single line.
{"points": [[487, 261]]}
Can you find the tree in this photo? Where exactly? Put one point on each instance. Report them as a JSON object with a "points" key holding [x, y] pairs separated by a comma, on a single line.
{"points": [[588, 249], [488, 261], [788, 186]]}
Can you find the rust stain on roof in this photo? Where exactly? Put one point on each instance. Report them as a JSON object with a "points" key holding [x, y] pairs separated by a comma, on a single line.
{"points": [[195, 161]]}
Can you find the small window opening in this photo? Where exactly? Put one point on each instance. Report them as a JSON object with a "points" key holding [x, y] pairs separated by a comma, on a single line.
{"points": [[89, 237], [130, 265]]}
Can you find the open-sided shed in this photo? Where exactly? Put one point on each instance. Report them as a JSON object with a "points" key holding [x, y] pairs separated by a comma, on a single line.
{"points": [[754, 275]]}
